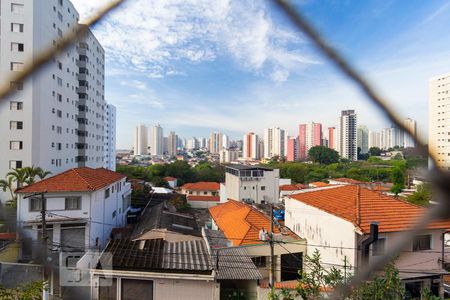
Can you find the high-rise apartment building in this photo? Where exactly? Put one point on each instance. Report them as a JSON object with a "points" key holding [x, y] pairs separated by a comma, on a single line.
{"points": [[56, 118], [225, 141], [110, 138], [251, 148], [374, 139], [274, 142], [347, 135], [215, 142], [172, 143], [362, 138], [141, 140], [332, 144], [157, 146], [309, 135], [292, 149], [438, 119], [412, 126]]}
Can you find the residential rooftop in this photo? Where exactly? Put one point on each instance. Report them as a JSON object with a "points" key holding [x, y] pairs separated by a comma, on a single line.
{"points": [[362, 206], [75, 180], [201, 186], [248, 167]]}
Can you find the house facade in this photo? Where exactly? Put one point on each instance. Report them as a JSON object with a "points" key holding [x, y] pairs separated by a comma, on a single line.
{"points": [[336, 220], [82, 206]]}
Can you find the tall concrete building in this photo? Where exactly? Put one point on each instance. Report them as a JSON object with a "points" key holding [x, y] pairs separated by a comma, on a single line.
{"points": [[274, 142], [439, 119], [332, 144], [362, 138], [141, 140], [56, 118], [292, 149], [110, 138], [250, 148], [157, 146], [225, 141], [172, 143], [347, 135], [309, 135], [412, 126], [374, 139], [215, 142]]}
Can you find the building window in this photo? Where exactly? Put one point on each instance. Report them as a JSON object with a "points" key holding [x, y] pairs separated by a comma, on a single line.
{"points": [[422, 242], [16, 66], [59, 81], [35, 204], [18, 86], [16, 8], [15, 145], [15, 164], [136, 289], [114, 214], [59, 65], [59, 113], [378, 247], [15, 105], [59, 129], [58, 146], [16, 27], [18, 47], [260, 261], [73, 203], [107, 193], [263, 188], [59, 97], [16, 125]]}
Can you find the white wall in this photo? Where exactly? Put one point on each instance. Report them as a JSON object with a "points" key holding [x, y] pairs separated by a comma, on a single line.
{"points": [[203, 204], [323, 231], [238, 189]]}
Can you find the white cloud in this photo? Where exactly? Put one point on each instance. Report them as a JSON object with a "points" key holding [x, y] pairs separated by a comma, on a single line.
{"points": [[151, 36]]}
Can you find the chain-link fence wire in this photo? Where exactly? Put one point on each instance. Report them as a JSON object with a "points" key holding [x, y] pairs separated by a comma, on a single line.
{"points": [[437, 176]]}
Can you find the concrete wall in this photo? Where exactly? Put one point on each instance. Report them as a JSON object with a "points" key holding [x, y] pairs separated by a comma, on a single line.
{"points": [[203, 204], [169, 288], [261, 189], [334, 237]]}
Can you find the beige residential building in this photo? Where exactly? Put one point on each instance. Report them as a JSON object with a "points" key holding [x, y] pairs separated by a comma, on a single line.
{"points": [[439, 121]]}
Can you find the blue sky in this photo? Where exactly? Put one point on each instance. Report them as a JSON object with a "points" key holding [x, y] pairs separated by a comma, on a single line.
{"points": [[238, 66]]}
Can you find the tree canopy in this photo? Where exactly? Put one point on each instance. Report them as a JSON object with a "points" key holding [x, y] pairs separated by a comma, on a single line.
{"points": [[323, 155]]}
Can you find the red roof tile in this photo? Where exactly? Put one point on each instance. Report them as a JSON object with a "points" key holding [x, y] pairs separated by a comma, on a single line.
{"points": [[348, 180], [203, 198], [7, 235], [75, 180], [240, 222], [361, 206], [293, 187], [201, 186], [319, 184], [169, 178]]}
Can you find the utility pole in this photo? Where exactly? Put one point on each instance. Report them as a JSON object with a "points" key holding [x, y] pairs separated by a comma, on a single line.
{"points": [[272, 256]]}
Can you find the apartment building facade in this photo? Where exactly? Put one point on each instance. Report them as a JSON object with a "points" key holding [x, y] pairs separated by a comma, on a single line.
{"points": [[56, 118], [347, 135], [438, 119]]}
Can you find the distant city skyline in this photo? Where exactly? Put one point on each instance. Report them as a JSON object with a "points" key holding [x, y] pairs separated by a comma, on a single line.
{"points": [[214, 76]]}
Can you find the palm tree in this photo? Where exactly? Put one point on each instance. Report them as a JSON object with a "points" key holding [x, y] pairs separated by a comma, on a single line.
{"points": [[42, 173], [32, 172], [20, 176], [7, 184]]}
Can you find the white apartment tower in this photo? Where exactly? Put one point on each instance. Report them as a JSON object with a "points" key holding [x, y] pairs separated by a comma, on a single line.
{"points": [[275, 142], [157, 140], [56, 118], [347, 135], [215, 142], [438, 119], [110, 138], [141, 140], [412, 126], [172, 142], [362, 137]]}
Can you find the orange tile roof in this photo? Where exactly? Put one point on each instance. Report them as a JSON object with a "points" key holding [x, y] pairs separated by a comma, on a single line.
{"points": [[169, 178], [203, 198], [75, 180], [361, 206], [293, 187], [7, 235], [289, 285], [201, 186], [348, 180], [319, 184], [240, 222]]}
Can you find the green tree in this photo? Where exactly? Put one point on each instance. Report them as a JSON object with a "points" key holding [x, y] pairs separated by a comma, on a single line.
{"points": [[374, 151], [323, 155], [422, 196], [28, 291], [398, 179], [8, 185]]}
